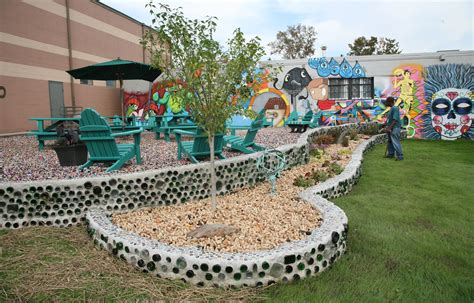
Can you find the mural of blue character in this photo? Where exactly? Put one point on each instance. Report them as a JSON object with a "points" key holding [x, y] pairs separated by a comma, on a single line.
{"points": [[358, 71], [448, 90], [294, 82], [334, 67], [345, 69]]}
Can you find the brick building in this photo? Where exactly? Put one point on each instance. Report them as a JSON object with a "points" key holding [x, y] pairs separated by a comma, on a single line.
{"points": [[41, 39]]}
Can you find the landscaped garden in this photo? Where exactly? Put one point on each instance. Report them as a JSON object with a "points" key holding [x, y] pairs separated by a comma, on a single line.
{"points": [[410, 238]]}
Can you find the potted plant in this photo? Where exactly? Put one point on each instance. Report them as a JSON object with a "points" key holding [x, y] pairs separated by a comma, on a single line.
{"points": [[70, 150]]}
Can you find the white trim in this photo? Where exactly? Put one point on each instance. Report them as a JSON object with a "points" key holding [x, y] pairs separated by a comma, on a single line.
{"points": [[32, 72], [50, 48]]}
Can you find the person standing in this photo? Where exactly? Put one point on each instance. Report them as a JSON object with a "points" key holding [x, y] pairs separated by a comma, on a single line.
{"points": [[392, 128]]}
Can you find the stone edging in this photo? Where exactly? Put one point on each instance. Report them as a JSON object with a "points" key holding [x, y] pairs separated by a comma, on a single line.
{"points": [[65, 202], [287, 262]]}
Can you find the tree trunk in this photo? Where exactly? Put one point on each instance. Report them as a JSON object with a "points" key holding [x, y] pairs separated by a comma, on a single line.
{"points": [[213, 173]]}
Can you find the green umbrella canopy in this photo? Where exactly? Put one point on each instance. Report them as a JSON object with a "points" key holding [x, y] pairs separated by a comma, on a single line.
{"points": [[117, 69]]}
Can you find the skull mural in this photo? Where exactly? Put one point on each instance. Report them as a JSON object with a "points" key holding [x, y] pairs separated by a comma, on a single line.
{"points": [[448, 93], [451, 112]]}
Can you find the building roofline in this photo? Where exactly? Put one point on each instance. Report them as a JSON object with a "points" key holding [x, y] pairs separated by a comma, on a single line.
{"points": [[113, 10], [407, 56]]}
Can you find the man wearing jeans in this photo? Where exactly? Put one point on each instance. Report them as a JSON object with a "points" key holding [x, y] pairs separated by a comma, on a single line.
{"points": [[392, 129]]}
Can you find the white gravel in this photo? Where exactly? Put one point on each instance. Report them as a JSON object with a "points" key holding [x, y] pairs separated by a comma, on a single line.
{"points": [[20, 159]]}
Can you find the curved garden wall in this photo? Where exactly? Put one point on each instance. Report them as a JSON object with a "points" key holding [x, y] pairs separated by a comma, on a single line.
{"points": [[65, 202], [287, 262]]}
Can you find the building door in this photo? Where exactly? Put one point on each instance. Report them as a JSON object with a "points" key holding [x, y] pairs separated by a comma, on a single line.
{"points": [[56, 98]]}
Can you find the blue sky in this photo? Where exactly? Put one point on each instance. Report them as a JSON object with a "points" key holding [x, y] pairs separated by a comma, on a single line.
{"points": [[419, 26]]}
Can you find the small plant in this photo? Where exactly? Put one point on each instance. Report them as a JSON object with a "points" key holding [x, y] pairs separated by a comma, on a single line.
{"points": [[322, 140], [301, 181], [335, 168], [68, 135], [320, 176], [316, 153], [371, 129], [353, 134], [326, 163], [345, 141], [344, 152]]}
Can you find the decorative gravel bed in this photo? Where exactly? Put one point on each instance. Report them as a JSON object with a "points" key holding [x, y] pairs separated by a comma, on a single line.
{"points": [[265, 220], [20, 159]]}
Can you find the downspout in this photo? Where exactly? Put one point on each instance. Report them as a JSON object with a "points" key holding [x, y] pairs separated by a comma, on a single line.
{"points": [[69, 48], [143, 46]]}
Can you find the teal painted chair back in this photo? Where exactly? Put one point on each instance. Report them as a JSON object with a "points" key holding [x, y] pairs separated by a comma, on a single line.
{"points": [[252, 131], [96, 133], [201, 143]]}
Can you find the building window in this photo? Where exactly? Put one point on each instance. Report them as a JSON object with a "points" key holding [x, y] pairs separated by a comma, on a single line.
{"points": [[353, 88], [88, 82], [111, 83]]}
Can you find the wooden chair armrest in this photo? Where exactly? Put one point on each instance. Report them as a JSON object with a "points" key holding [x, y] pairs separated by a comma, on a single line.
{"points": [[127, 133], [183, 132]]}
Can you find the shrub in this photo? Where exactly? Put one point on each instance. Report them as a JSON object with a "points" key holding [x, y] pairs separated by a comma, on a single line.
{"points": [[322, 140], [371, 129], [301, 181], [319, 176], [316, 153], [353, 134], [326, 163], [345, 141], [344, 152], [335, 168]]}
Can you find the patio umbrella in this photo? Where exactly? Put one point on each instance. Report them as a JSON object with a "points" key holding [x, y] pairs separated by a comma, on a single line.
{"points": [[117, 69]]}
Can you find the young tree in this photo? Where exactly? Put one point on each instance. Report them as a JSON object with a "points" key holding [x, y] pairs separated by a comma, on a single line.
{"points": [[297, 42], [374, 46], [215, 79]]}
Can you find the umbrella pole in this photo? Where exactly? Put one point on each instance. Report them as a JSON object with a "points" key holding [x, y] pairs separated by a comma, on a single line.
{"points": [[121, 103]]}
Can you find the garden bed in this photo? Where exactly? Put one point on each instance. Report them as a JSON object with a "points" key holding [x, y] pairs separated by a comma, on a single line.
{"points": [[265, 221]]}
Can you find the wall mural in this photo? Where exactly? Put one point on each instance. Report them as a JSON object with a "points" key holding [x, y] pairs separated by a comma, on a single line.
{"points": [[449, 93], [435, 102], [407, 85], [294, 82], [159, 101], [333, 68]]}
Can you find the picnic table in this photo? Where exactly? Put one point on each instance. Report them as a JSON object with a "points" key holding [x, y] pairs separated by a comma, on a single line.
{"points": [[167, 126], [48, 132]]}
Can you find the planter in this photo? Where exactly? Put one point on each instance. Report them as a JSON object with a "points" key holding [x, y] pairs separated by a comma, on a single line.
{"points": [[71, 155]]}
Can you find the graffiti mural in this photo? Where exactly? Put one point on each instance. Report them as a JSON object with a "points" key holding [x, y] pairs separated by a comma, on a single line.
{"points": [[333, 68], [158, 101], [407, 86], [294, 82], [449, 96]]}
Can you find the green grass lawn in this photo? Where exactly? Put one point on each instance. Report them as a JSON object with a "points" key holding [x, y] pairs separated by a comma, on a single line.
{"points": [[411, 231], [411, 239]]}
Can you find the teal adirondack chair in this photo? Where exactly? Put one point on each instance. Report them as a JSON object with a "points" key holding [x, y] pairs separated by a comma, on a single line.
{"points": [[100, 142], [246, 144], [301, 126], [199, 147]]}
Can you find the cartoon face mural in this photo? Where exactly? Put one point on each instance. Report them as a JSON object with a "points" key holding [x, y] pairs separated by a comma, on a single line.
{"points": [[451, 112], [294, 82], [449, 101], [318, 89]]}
